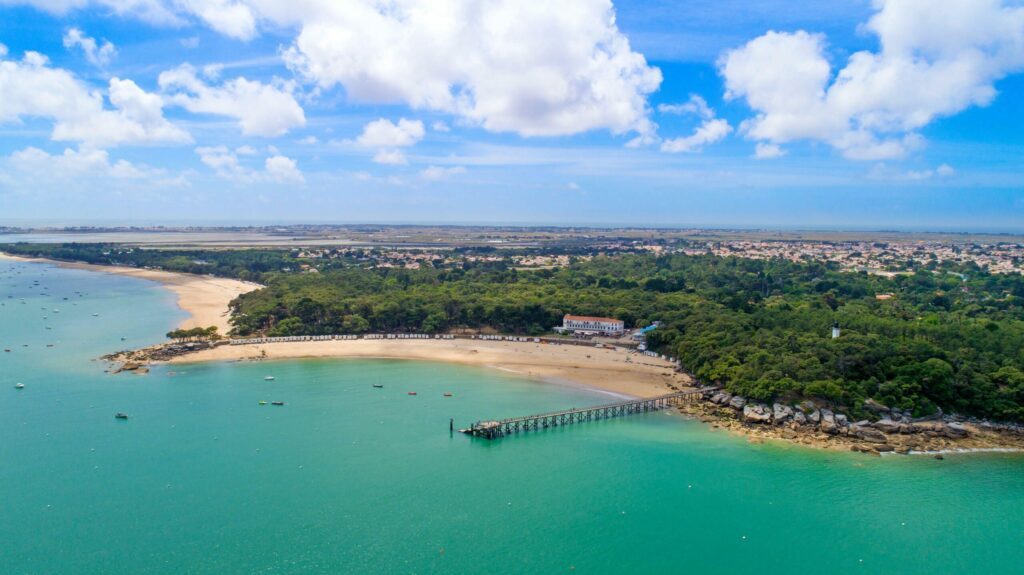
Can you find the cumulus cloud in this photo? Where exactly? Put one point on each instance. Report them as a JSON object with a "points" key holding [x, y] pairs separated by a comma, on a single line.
{"points": [[383, 133], [387, 137], [261, 109], [225, 163], [33, 169], [934, 61], [31, 88], [531, 68], [710, 130], [437, 173], [493, 63], [97, 54]]}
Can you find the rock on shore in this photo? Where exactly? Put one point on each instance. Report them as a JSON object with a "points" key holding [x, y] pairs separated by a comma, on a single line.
{"points": [[886, 430]]}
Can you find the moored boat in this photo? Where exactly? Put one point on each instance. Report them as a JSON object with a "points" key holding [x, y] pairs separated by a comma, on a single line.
{"points": [[268, 378], [19, 385], [277, 403], [120, 415]]}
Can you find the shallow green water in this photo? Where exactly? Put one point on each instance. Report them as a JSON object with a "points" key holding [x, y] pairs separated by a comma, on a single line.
{"points": [[347, 478]]}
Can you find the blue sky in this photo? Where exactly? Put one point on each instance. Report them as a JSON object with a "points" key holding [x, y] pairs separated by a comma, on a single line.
{"points": [[845, 114]]}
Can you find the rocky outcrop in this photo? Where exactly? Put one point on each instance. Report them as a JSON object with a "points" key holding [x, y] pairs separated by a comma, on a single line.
{"points": [[757, 413], [869, 434], [781, 413], [828, 422], [812, 423]]}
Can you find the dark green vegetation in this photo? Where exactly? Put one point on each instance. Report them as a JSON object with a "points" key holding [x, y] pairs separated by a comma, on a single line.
{"points": [[760, 328], [194, 334]]}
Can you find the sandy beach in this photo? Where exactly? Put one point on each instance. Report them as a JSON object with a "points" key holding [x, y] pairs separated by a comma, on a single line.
{"points": [[204, 298], [616, 371]]}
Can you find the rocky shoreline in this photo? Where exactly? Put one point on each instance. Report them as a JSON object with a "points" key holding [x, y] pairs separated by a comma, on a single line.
{"points": [[887, 431]]}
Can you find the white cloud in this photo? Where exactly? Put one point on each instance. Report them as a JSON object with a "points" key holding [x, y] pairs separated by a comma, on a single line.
{"points": [[436, 173], [261, 109], [383, 133], [766, 151], [532, 68], [494, 63], [309, 141], [695, 105], [31, 88], [79, 169], [225, 163], [191, 43], [390, 158], [282, 169], [151, 11], [886, 173], [934, 62], [440, 126], [710, 130], [97, 54]]}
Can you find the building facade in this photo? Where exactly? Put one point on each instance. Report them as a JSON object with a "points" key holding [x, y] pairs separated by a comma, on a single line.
{"points": [[587, 324]]}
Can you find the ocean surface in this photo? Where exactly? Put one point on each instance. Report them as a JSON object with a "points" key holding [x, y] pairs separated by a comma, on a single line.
{"points": [[348, 478]]}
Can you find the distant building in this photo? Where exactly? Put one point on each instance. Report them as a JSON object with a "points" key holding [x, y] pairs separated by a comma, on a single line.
{"points": [[595, 325], [835, 330]]}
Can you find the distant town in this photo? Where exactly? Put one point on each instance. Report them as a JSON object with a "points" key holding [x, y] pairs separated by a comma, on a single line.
{"points": [[413, 247]]}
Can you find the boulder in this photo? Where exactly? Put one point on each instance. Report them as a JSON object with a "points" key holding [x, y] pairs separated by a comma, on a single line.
{"points": [[720, 398], [869, 434], [887, 426], [737, 403], [757, 413], [799, 418], [814, 417], [781, 413], [955, 430], [807, 406], [828, 422]]}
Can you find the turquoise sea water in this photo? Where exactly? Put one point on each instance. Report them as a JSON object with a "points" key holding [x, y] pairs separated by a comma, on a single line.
{"points": [[347, 478]]}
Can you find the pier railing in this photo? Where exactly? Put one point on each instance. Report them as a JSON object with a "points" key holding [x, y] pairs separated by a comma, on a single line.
{"points": [[501, 428]]}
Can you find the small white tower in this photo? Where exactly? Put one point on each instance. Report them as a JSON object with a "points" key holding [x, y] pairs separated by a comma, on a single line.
{"points": [[835, 330]]}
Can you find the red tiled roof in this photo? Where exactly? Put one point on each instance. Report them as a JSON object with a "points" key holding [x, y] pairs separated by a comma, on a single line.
{"points": [[589, 318]]}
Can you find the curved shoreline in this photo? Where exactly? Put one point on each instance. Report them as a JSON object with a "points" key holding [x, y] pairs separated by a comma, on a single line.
{"points": [[614, 371], [204, 298]]}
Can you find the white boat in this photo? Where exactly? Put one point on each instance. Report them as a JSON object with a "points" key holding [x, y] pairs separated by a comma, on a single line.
{"points": [[268, 378], [19, 385]]}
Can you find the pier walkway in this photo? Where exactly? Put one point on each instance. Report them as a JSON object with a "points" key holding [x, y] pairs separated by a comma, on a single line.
{"points": [[496, 429]]}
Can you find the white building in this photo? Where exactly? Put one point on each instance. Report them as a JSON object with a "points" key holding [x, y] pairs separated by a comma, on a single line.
{"points": [[586, 324]]}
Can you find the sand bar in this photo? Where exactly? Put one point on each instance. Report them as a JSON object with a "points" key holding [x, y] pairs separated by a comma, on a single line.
{"points": [[204, 298], [616, 371]]}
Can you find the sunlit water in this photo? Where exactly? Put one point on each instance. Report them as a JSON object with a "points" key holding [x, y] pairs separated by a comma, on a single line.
{"points": [[348, 478]]}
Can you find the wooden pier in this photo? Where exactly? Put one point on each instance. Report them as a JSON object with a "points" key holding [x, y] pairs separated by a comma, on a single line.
{"points": [[496, 429]]}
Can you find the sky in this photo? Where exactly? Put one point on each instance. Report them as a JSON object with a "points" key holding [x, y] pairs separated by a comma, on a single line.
{"points": [[847, 114]]}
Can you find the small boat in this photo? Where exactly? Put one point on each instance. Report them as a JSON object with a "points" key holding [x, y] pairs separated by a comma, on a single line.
{"points": [[412, 393], [19, 385], [263, 402], [378, 386], [276, 403], [268, 378], [120, 415], [123, 338], [447, 395]]}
